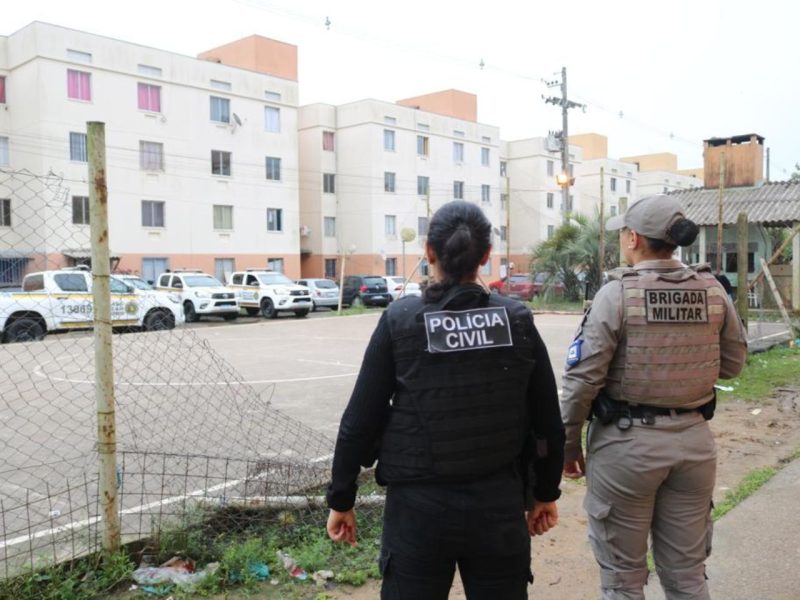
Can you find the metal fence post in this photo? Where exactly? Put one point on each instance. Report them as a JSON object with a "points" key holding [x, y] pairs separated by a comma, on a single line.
{"points": [[741, 264], [103, 361]]}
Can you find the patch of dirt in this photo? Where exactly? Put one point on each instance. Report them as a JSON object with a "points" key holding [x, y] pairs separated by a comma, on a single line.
{"points": [[562, 560]]}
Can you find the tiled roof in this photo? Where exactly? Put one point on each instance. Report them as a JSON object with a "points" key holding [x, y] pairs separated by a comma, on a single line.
{"points": [[772, 204]]}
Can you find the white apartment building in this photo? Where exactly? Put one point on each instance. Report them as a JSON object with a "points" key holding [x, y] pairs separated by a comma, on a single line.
{"points": [[617, 178], [202, 161], [659, 174], [372, 169], [535, 204]]}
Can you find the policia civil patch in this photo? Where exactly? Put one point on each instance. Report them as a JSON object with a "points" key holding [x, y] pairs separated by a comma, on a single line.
{"points": [[459, 331], [676, 306]]}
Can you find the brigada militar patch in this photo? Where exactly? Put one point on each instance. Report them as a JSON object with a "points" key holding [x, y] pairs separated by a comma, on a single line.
{"points": [[676, 306], [476, 329]]}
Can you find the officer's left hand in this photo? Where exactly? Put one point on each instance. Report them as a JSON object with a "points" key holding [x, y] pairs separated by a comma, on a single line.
{"points": [[542, 518], [342, 526]]}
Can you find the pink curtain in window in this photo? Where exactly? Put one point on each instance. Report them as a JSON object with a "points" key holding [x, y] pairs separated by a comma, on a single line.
{"points": [[2, 90], [149, 97], [73, 84], [144, 100], [155, 98], [79, 85]]}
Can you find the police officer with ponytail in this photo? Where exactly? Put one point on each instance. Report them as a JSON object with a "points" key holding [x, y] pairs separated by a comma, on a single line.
{"points": [[457, 391], [643, 368]]}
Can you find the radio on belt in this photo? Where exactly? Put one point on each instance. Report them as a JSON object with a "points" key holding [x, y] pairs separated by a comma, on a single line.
{"points": [[475, 329]]}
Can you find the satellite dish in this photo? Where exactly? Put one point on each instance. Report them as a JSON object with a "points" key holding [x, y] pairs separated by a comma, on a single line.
{"points": [[407, 234], [237, 120]]}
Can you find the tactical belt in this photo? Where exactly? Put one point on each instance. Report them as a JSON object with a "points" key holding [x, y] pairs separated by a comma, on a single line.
{"points": [[607, 410]]}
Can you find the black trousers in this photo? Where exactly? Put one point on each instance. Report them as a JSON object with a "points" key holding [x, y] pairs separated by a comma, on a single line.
{"points": [[429, 528]]}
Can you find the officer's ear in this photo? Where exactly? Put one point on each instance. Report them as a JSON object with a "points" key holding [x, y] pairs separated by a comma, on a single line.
{"points": [[430, 255], [487, 255]]}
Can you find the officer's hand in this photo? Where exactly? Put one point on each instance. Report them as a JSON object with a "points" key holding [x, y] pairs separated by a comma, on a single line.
{"points": [[342, 526], [575, 469], [542, 518]]}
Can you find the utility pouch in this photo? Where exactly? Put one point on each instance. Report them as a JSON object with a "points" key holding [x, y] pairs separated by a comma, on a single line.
{"points": [[604, 409], [707, 410]]}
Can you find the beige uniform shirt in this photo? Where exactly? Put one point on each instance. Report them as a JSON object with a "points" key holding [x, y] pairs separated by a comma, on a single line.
{"points": [[602, 334]]}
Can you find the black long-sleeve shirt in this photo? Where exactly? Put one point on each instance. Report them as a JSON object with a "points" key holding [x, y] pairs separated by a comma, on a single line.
{"points": [[366, 413]]}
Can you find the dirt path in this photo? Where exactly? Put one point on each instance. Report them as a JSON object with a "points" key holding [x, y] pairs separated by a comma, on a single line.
{"points": [[563, 562]]}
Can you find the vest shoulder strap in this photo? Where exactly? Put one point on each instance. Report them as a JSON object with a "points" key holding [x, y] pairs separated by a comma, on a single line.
{"points": [[620, 272]]}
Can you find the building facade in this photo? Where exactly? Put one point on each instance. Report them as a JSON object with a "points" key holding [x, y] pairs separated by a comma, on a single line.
{"points": [[374, 171], [202, 160]]}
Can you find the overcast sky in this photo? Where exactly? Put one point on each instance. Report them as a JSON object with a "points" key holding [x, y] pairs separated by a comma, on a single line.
{"points": [[677, 72]]}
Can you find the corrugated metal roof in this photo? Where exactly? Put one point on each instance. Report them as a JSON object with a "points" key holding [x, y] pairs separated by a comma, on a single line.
{"points": [[772, 204]]}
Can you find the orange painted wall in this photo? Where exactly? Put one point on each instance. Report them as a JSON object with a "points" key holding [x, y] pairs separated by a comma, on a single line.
{"points": [[662, 161], [594, 145], [132, 263], [257, 53], [452, 103]]}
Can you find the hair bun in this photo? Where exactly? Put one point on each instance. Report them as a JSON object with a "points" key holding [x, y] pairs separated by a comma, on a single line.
{"points": [[683, 232]]}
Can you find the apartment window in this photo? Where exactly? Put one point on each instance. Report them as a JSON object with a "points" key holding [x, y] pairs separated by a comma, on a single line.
{"points": [[570, 202], [388, 181], [220, 163], [220, 85], [80, 210], [503, 200], [330, 267], [613, 183], [149, 97], [79, 85], [458, 133], [485, 157], [613, 210], [273, 168], [152, 213], [329, 183], [422, 145], [5, 212], [503, 233], [390, 265], [503, 168], [274, 96], [423, 126], [422, 226], [388, 140], [329, 226], [458, 190], [572, 170], [275, 264], [327, 141], [5, 160], [486, 191], [423, 185], [390, 120], [550, 168], [549, 199], [272, 119], [390, 225], [627, 186], [274, 219], [153, 267], [424, 268], [151, 156], [458, 152], [2, 90], [148, 70], [551, 230], [77, 147], [220, 109], [665, 189], [224, 268], [223, 216]]}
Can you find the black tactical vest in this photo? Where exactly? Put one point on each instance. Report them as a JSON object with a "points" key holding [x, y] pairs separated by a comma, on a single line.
{"points": [[462, 368]]}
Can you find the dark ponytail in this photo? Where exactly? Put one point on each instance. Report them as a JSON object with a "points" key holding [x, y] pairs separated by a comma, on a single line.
{"points": [[460, 234], [683, 232]]}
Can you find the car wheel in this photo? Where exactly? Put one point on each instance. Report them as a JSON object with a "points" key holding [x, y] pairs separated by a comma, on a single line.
{"points": [[158, 320], [231, 317], [189, 312], [301, 314], [357, 302], [268, 309], [313, 306], [24, 330], [252, 311]]}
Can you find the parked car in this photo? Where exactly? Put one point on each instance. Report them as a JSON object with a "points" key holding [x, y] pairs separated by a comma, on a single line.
{"points": [[270, 293], [201, 294], [367, 290], [395, 285], [525, 286], [136, 282], [324, 292], [62, 299]]}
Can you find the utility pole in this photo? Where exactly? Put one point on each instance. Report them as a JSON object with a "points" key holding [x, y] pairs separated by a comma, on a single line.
{"points": [[602, 248], [508, 235], [720, 225], [564, 179]]}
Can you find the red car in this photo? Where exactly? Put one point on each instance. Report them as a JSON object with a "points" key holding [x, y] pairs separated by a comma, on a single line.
{"points": [[524, 286]]}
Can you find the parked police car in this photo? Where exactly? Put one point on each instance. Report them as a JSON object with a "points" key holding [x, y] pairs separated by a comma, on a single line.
{"points": [[270, 293], [201, 294], [60, 300]]}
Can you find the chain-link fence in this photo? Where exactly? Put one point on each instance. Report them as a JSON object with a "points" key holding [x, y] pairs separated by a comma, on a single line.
{"points": [[190, 432]]}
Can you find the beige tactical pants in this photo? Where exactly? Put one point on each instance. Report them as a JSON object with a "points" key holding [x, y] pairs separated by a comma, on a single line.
{"points": [[651, 479]]}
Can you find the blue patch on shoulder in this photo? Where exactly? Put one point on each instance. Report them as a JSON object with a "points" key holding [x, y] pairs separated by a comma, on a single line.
{"points": [[574, 353]]}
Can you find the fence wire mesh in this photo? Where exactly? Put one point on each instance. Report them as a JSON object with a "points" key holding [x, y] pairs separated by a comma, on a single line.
{"points": [[192, 436]]}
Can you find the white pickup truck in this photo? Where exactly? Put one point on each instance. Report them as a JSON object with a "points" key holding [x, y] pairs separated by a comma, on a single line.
{"points": [[60, 300]]}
